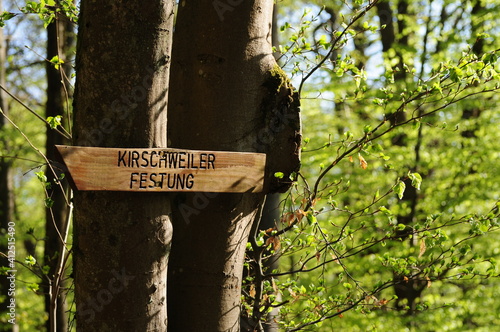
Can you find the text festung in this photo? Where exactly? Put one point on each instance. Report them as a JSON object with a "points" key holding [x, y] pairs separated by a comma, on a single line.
{"points": [[152, 180]]}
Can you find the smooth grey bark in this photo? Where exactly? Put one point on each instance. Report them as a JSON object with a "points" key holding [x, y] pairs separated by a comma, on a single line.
{"points": [[228, 94], [269, 219], [122, 240]]}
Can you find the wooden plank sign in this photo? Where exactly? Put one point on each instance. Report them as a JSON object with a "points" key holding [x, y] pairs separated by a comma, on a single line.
{"points": [[163, 169]]}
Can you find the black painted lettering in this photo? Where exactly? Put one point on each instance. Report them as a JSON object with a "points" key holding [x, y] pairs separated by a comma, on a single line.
{"points": [[151, 159], [142, 181], [134, 159], [190, 181], [171, 177], [121, 158], [193, 166], [152, 179], [163, 158], [203, 160], [211, 161], [172, 159], [145, 161], [182, 161], [162, 179], [132, 179], [180, 182]]}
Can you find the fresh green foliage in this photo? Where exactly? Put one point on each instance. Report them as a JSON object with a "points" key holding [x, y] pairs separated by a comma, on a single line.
{"points": [[54, 121], [5, 16], [56, 62], [22, 141], [48, 10], [392, 223]]}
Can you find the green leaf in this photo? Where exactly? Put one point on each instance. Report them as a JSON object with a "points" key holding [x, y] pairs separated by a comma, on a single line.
{"points": [[456, 74], [311, 218], [46, 269], [285, 26], [5, 17], [33, 287], [54, 121], [490, 58], [416, 180], [399, 189], [348, 135], [49, 202], [416, 124], [30, 260], [41, 176], [279, 175], [56, 61]]}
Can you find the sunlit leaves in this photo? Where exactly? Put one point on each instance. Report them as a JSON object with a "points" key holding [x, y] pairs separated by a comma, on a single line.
{"points": [[30, 260], [42, 8], [48, 9], [33, 287], [416, 180], [279, 175], [372, 125], [490, 58], [399, 189], [5, 16], [56, 62], [54, 121]]}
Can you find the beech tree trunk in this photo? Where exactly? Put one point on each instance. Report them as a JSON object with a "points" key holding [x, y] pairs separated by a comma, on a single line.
{"points": [[122, 240], [227, 94], [408, 291]]}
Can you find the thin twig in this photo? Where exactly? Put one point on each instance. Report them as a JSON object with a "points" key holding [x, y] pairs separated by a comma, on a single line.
{"points": [[63, 133]]}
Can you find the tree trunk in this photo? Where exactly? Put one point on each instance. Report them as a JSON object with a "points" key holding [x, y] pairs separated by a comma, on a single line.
{"points": [[122, 240], [477, 48], [59, 42], [270, 216], [227, 89], [408, 291]]}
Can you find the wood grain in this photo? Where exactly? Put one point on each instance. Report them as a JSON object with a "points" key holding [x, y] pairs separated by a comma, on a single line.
{"points": [[163, 169]]}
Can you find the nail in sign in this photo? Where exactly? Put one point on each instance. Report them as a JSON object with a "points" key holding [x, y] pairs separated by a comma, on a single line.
{"points": [[163, 169]]}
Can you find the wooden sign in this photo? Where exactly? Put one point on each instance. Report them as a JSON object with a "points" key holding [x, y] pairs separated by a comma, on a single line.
{"points": [[163, 169]]}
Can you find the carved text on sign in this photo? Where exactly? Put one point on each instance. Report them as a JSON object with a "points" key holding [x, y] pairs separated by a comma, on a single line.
{"points": [[163, 169]]}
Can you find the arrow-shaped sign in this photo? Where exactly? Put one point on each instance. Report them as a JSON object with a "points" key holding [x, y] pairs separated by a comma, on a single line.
{"points": [[163, 169]]}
